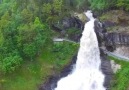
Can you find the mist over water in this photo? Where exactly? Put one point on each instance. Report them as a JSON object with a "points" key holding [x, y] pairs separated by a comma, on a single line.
{"points": [[86, 75]]}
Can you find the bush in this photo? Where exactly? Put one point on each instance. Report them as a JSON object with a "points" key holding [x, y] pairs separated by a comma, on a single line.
{"points": [[30, 50], [101, 5], [11, 62], [19, 41], [123, 4], [63, 49]]}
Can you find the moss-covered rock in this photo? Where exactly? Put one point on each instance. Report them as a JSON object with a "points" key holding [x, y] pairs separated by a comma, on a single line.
{"points": [[119, 29], [116, 16], [116, 21], [81, 16]]}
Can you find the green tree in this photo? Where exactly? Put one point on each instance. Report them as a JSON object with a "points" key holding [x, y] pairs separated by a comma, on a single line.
{"points": [[11, 62], [123, 4], [4, 26], [5, 20], [57, 6], [26, 15], [53, 12], [22, 31], [43, 33], [101, 5], [30, 50], [82, 4], [32, 37]]}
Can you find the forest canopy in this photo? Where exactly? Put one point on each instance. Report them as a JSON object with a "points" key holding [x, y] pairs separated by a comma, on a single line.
{"points": [[25, 25]]}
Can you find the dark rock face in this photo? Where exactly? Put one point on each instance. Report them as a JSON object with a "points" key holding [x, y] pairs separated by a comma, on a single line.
{"points": [[114, 39], [65, 26], [67, 23], [105, 63], [108, 24], [117, 22], [100, 31], [110, 39], [117, 39], [106, 69], [72, 22], [52, 80]]}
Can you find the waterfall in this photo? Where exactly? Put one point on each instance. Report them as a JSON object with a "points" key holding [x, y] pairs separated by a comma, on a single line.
{"points": [[86, 74]]}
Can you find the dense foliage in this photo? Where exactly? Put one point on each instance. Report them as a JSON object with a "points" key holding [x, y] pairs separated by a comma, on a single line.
{"points": [[25, 32], [123, 4], [25, 25], [22, 35], [101, 5], [30, 75]]}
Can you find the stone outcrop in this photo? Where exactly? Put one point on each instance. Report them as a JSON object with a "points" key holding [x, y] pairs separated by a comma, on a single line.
{"points": [[67, 23], [116, 36], [106, 69], [100, 31], [116, 22], [113, 40], [70, 27], [115, 67]]}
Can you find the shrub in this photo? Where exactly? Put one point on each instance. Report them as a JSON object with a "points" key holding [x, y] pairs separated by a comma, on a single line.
{"points": [[10, 63], [123, 4]]}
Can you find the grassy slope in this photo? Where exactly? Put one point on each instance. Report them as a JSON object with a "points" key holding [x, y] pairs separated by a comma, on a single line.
{"points": [[32, 73], [121, 78]]}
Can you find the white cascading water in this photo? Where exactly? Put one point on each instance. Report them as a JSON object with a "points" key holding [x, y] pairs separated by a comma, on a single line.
{"points": [[86, 75]]}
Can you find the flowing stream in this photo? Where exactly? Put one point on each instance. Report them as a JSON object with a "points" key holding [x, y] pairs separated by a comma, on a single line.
{"points": [[86, 75]]}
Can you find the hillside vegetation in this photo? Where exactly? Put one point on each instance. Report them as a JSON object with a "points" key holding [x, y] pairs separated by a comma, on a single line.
{"points": [[27, 53]]}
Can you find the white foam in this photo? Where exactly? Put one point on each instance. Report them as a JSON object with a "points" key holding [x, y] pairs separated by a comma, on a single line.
{"points": [[86, 75]]}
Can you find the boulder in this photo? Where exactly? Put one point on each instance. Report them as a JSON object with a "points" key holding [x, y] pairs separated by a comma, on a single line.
{"points": [[115, 67]]}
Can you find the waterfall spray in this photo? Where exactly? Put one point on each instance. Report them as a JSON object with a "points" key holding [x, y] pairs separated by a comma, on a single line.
{"points": [[86, 75]]}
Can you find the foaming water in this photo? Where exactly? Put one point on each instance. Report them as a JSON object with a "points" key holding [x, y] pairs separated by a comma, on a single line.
{"points": [[86, 75]]}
